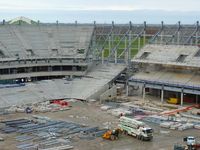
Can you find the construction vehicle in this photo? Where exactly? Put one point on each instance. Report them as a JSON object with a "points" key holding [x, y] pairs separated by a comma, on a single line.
{"points": [[112, 134], [135, 128], [173, 100], [190, 140], [191, 144]]}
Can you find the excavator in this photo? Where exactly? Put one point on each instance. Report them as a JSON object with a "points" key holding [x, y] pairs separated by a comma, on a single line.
{"points": [[111, 134]]}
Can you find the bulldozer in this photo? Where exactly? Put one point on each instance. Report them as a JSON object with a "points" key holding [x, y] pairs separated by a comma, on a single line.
{"points": [[112, 134]]}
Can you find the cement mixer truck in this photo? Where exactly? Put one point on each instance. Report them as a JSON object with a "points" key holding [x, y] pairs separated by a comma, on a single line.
{"points": [[135, 128]]}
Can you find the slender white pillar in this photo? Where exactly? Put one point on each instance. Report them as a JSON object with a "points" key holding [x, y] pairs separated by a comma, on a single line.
{"points": [[181, 98], [143, 93], [102, 57], [162, 95], [127, 89]]}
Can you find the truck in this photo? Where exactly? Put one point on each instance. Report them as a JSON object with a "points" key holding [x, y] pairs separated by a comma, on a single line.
{"points": [[135, 128], [190, 140], [191, 144]]}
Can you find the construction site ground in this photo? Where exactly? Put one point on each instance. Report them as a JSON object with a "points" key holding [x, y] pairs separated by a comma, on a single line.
{"points": [[91, 114]]}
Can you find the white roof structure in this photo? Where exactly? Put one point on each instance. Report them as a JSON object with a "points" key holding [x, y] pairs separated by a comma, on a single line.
{"points": [[21, 18]]}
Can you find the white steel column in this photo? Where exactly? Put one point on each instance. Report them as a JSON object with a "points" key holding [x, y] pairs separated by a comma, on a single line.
{"points": [[109, 45], [161, 37], [196, 39], [178, 36], [116, 56], [126, 51], [138, 43], [129, 42], [102, 57], [143, 92], [182, 98], [127, 89], [162, 95], [144, 34], [162, 32]]}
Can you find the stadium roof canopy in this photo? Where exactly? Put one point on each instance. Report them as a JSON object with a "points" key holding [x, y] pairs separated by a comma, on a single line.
{"points": [[21, 19]]}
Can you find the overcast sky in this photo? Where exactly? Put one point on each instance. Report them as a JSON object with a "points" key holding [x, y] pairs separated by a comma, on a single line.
{"points": [[170, 5], [29, 8]]}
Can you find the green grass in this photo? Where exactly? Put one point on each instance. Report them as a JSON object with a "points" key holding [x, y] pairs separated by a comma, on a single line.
{"points": [[121, 46]]}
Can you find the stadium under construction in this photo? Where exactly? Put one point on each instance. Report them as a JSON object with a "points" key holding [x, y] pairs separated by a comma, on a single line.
{"points": [[78, 79], [164, 59]]}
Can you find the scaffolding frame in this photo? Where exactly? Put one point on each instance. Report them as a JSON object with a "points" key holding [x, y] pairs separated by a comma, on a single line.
{"points": [[110, 38]]}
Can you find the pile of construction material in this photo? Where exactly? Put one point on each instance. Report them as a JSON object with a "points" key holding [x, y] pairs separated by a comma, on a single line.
{"points": [[129, 109], [45, 134], [197, 125], [48, 106], [178, 118], [116, 111], [164, 115], [173, 123], [155, 119], [120, 112], [195, 112], [177, 125]]}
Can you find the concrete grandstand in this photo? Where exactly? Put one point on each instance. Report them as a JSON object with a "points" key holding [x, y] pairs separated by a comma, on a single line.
{"points": [[87, 58], [32, 51], [87, 87], [169, 66], [35, 52]]}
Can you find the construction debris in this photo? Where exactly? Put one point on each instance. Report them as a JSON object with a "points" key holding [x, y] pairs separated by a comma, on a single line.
{"points": [[48, 106]]}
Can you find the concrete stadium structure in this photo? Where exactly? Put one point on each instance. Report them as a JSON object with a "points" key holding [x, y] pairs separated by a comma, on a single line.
{"points": [[48, 51], [44, 50], [169, 68], [37, 52]]}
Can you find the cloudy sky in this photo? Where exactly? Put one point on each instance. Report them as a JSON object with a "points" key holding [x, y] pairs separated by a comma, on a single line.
{"points": [[70, 10]]}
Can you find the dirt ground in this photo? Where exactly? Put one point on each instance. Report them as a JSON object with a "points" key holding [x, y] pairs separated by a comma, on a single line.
{"points": [[91, 114]]}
